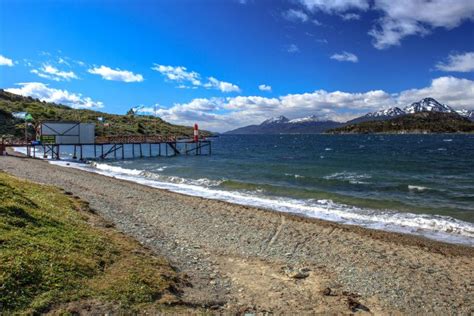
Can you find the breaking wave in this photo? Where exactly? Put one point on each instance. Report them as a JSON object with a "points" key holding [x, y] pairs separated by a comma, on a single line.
{"points": [[438, 227]]}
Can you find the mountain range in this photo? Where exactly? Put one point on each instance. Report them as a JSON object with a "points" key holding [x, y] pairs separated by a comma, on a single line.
{"points": [[314, 125], [282, 125]]}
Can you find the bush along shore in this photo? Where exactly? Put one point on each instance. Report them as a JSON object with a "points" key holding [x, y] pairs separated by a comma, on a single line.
{"points": [[57, 255]]}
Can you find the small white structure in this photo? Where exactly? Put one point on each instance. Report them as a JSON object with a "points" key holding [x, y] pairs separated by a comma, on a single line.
{"points": [[66, 132]]}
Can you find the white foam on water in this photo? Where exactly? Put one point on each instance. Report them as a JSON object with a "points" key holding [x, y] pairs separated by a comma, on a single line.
{"points": [[296, 176], [417, 188], [351, 177], [442, 228]]}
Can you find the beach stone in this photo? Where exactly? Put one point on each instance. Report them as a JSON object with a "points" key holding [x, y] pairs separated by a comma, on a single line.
{"points": [[327, 291], [301, 273]]}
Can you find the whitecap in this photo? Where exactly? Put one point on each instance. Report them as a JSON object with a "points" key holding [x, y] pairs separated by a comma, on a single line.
{"points": [[417, 188], [351, 177]]}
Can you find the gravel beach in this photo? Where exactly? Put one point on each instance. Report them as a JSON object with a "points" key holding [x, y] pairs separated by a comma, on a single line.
{"points": [[242, 259]]}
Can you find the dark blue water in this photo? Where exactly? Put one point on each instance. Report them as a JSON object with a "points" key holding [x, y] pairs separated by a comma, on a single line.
{"points": [[414, 183]]}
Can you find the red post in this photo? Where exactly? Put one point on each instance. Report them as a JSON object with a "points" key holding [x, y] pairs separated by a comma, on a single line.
{"points": [[196, 133], [2, 147]]}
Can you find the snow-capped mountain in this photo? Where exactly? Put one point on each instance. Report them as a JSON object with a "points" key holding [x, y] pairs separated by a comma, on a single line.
{"points": [[428, 105], [312, 124], [282, 125], [467, 114], [424, 105], [311, 118], [276, 120], [379, 115], [391, 112]]}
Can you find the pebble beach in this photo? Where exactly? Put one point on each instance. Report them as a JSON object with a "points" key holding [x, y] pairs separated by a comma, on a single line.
{"points": [[242, 259]]}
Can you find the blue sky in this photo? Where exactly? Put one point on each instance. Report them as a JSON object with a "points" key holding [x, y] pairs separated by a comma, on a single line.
{"points": [[228, 63]]}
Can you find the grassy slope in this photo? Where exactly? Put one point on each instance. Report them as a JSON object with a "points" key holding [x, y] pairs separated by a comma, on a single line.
{"points": [[424, 122], [54, 250], [119, 124]]}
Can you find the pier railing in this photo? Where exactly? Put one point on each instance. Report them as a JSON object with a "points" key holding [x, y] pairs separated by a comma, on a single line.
{"points": [[140, 139], [115, 146]]}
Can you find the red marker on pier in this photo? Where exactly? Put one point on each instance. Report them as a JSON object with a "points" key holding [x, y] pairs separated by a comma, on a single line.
{"points": [[196, 133]]}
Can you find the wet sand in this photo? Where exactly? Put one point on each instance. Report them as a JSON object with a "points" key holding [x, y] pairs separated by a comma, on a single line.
{"points": [[242, 258]]}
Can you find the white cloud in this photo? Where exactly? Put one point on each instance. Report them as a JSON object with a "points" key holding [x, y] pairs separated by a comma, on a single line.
{"points": [[53, 73], [350, 16], [182, 75], [331, 6], [44, 93], [345, 56], [108, 73], [453, 91], [400, 18], [292, 48], [221, 85], [459, 63], [221, 114], [417, 17], [295, 16], [264, 87], [179, 74], [4, 61]]}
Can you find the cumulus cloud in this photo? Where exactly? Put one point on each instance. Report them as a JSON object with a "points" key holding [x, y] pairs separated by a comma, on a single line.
{"points": [[417, 17], [264, 87], [4, 61], [456, 92], [183, 76], [345, 56], [221, 114], [221, 85], [458, 63], [400, 18], [50, 72], [179, 74], [44, 93], [117, 74], [295, 16]]}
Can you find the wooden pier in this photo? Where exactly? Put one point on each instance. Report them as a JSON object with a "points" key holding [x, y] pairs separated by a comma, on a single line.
{"points": [[117, 147]]}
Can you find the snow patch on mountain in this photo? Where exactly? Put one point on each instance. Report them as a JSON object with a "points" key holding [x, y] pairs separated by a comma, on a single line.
{"points": [[276, 120], [391, 112], [428, 105], [311, 118], [466, 113]]}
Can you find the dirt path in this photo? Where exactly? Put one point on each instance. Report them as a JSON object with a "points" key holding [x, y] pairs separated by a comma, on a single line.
{"points": [[244, 259]]}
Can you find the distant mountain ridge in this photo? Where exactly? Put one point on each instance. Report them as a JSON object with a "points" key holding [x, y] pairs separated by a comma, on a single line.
{"points": [[282, 125], [424, 105], [313, 124], [424, 122]]}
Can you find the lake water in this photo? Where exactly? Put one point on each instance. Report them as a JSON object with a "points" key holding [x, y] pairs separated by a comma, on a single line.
{"points": [[419, 184]]}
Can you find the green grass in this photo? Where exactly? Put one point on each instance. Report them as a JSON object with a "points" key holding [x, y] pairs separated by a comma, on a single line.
{"points": [[118, 124], [53, 250]]}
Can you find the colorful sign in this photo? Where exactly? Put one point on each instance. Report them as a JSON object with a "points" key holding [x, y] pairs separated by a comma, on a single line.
{"points": [[48, 139]]}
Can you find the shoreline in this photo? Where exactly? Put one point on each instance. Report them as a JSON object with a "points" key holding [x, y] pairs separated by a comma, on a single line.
{"points": [[445, 229], [198, 234], [406, 239]]}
